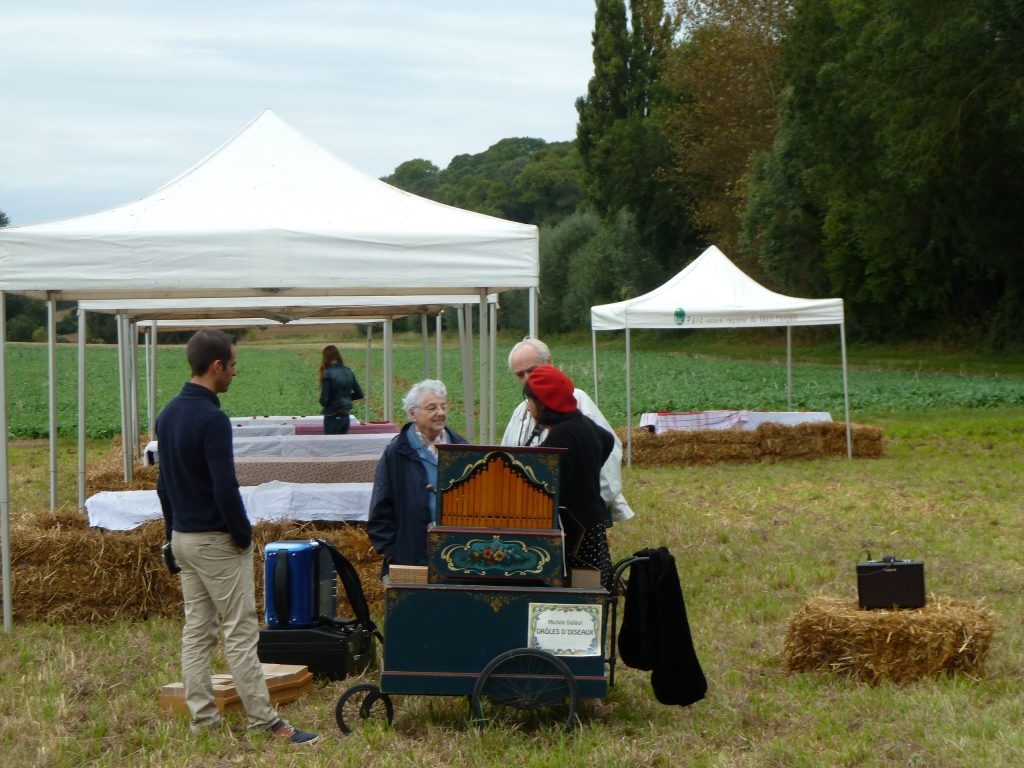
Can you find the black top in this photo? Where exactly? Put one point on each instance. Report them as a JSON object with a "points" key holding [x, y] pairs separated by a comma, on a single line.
{"points": [[338, 389], [197, 486], [588, 447]]}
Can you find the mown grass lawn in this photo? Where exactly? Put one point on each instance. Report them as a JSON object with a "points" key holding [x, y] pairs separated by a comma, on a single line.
{"points": [[752, 542]]}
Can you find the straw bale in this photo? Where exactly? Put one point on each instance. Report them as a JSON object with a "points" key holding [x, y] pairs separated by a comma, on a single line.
{"points": [[947, 636], [767, 442], [65, 571]]}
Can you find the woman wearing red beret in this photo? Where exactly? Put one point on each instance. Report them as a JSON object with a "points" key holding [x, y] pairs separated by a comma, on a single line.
{"points": [[585, 517]]}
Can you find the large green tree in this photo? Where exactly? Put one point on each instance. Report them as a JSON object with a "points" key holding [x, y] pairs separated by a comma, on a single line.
{"points": [[523, 179], [727, 75], [902, 137], [586, 261], [418, 176], [627, 159]]}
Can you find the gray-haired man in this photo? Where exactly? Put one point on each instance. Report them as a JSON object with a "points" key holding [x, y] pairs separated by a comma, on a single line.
{"points": [[522, 430]]}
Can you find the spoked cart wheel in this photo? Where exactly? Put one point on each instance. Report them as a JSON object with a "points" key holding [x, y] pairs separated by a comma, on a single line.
{"points": [[362, 702], [530, 681]]}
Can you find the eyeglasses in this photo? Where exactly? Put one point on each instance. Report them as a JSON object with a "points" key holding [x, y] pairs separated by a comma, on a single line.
{"points": [[435, 407]]}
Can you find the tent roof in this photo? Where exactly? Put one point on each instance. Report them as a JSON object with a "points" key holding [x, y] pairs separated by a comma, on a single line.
{"points": [[270, 213], [712, 292]]}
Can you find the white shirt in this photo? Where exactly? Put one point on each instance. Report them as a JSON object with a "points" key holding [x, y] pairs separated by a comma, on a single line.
{"points": [[520, 428]]}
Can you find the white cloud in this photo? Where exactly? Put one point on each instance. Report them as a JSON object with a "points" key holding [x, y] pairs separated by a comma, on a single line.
{"points": [[108, 101]]}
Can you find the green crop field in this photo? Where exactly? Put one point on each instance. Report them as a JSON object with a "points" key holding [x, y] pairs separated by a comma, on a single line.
{"points": [[752, 543], [281, 380]]}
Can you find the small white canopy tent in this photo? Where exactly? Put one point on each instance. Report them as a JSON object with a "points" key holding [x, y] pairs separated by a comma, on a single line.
{"points": [[712, 292], [270, 213]]}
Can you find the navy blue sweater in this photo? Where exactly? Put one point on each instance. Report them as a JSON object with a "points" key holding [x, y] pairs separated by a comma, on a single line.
{"points": [[197, 487]]}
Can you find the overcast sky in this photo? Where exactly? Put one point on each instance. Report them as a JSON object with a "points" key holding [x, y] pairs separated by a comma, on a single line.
{"points": [[105, 101]]}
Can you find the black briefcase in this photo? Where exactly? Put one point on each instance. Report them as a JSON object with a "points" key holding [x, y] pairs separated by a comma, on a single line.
{"points": [[890, 583], [331, 650]]}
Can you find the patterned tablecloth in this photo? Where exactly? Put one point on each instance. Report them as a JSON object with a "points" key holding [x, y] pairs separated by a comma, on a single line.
{"points": [[678, 421]]}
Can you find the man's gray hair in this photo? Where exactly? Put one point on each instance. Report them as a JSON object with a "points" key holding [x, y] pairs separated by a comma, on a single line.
{"points": [[414, 397], [536, 345]]}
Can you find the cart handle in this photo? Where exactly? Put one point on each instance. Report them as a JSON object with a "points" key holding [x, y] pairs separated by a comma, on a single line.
{"points": [[613, 599]]}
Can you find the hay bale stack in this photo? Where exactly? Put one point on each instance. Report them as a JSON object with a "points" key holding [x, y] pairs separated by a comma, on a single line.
{"points": [[698, 447], [65, 571], [947, 636], [768, 441], [106, 473]]}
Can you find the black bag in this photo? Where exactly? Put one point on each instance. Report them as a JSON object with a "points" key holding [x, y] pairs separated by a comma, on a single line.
{"points": [[890, 583], [332, 651]]}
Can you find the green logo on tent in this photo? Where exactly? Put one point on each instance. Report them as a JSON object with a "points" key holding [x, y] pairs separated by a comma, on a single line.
{"points": [[680, 316]]}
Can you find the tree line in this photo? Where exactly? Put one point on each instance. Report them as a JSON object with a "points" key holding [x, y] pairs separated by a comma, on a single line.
{"points": [[870, 151]]}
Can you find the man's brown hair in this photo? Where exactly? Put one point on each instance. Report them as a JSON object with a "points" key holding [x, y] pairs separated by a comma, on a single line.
{"points": [[206, 346]]}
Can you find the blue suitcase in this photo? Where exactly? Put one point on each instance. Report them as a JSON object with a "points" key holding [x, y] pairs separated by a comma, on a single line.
{"points": [[300, 588]]}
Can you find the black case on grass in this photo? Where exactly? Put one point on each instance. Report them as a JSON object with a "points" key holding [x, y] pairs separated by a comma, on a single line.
{"points": [[333, 651], [890, 583]]}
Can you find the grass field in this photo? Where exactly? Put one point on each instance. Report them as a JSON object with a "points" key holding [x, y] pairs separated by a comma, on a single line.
{"points": [[752, 543]]}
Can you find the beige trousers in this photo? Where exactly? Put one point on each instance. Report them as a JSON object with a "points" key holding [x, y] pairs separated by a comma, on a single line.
{"points": [[219, 594]]}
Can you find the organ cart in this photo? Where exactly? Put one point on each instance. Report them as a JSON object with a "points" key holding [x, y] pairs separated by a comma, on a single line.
{"points": [[495, 615]]}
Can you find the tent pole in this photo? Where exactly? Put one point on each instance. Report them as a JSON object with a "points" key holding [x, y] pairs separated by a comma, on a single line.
{"points": [[389, 340], [133, 385], [846, 394], [533, 311], [789, 368], [82, 332], [366, 373], [425, 337], [484, 349], [121, 375], [5, 511], [593, 349], [466, 340], [493, 388], [438, 332], [130, 441], [629, 405], [51, 361], [151, 406]]}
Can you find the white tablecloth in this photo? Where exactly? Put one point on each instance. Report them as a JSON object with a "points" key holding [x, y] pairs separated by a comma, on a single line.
{"points": [[263, 430], [312, 445], [295, 445], [255, 421], [674, 421], [349, 502]]}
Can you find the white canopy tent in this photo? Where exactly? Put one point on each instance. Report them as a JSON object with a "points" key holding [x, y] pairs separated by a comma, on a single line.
{"points": [[712, 292], [270, 213]]}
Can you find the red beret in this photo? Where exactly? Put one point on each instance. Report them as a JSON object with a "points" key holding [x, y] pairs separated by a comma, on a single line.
{"points": [[552, 388]]}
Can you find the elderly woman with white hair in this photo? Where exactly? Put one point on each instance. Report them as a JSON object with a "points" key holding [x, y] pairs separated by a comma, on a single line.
{"points": [[403, 503]]}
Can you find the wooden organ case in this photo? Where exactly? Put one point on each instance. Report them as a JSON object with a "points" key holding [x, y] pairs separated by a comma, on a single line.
{"points": [[497, 516]]}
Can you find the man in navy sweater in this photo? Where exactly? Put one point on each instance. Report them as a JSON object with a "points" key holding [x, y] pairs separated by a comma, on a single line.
{"points": [[211, 538]]}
